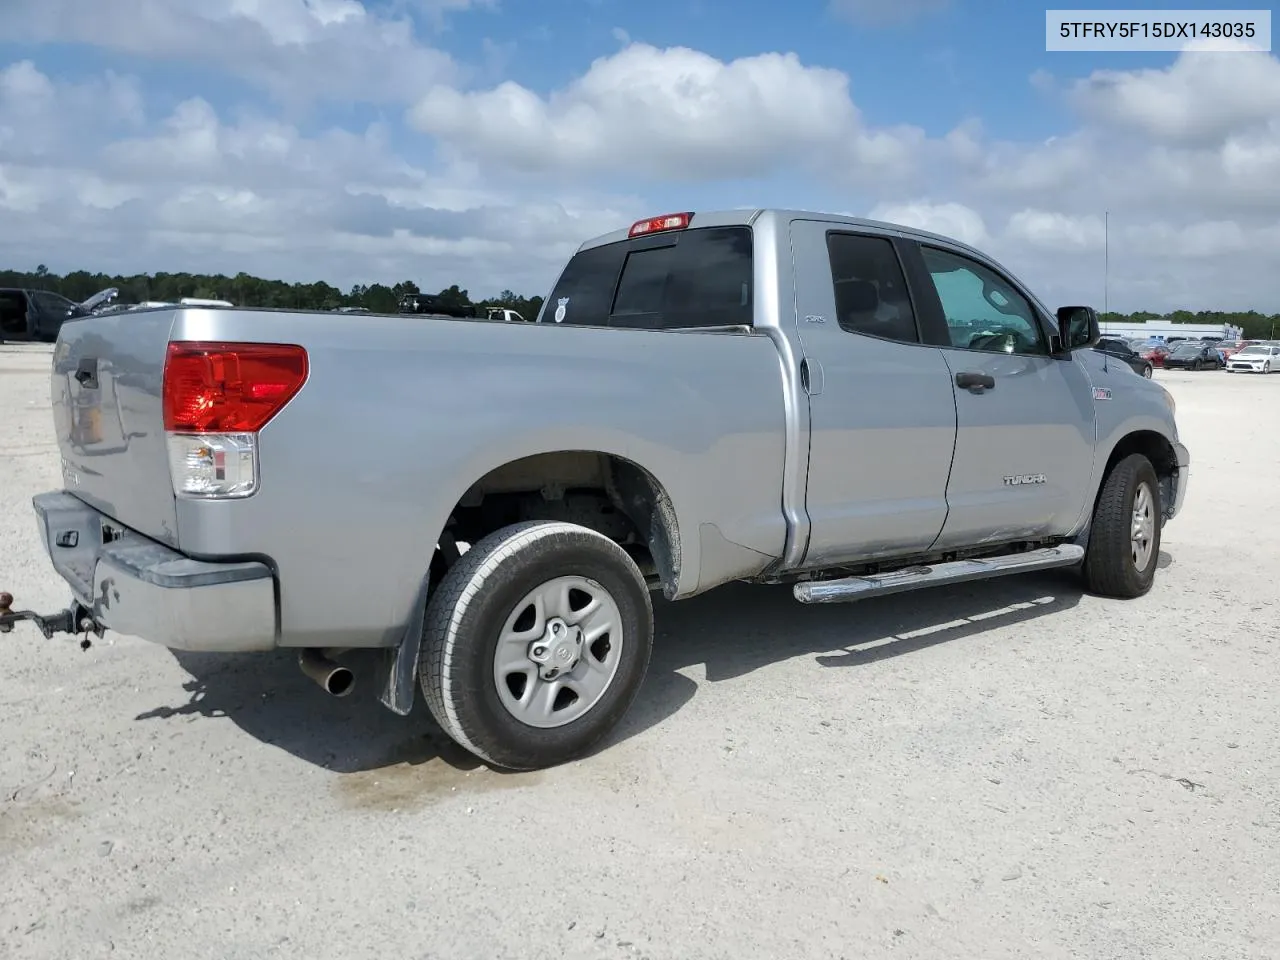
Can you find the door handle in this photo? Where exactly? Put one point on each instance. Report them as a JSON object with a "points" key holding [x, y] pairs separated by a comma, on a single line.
{"points": [[811, 376], [970, 381]]}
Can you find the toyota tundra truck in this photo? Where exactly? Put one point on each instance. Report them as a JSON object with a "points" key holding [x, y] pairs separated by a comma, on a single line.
{"points": [[848, 406]]}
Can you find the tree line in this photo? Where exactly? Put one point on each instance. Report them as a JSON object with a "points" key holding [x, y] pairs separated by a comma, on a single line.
{"points": [[249, 291]]}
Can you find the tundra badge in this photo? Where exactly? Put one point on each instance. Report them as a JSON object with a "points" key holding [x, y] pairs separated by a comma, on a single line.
{"points": [[1024, 478]]}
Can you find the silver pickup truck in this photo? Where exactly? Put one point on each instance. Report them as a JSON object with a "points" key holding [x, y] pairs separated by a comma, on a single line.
{"points": [[848, 406]]}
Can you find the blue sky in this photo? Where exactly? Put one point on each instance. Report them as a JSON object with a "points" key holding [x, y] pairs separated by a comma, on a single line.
{"points": [[294, 138]]}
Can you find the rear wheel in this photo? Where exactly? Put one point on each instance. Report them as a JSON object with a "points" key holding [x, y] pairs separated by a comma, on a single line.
{"points": [[1124, 540], [535, 644], [1147, 371]]}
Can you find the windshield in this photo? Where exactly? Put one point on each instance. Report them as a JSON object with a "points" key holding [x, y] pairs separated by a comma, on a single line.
{"points": [[1253, 351], [1185, 349]]}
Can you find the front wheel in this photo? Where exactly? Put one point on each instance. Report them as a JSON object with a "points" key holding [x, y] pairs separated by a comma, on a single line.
{"points": [[1147, 371], [535, 644], [1266, 367], [1124, 540]]}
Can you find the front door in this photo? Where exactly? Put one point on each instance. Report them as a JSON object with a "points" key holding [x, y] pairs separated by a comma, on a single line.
{"points": [[882, 416], [1025, 420]]}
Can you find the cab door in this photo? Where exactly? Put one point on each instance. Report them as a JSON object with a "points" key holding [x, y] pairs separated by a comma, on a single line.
{"points": [[1024, 419], [881, 411]]}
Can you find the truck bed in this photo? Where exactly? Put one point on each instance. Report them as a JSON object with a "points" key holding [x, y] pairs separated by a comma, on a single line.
{"points": [[398, 419]]}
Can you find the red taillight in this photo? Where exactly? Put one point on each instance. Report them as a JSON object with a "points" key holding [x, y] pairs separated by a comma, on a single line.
{"points": [[229, 387], [671, 221]]}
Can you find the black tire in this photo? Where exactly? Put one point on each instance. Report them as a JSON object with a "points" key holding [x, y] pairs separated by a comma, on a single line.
{"points": [[467, 613], [1148, 372], [1109, 566]]}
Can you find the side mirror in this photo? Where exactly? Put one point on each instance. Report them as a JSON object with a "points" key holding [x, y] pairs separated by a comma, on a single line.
{"points": [[1077, 327]]}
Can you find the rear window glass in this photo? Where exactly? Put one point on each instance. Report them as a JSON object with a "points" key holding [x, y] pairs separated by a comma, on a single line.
{"points": [[692, 278]]}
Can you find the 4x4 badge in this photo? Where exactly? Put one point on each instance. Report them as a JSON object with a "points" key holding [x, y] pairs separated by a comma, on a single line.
{"points": [[1102, 393]]}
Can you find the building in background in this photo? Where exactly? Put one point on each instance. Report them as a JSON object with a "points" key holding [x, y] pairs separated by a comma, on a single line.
{"points": [[1163, 330]]}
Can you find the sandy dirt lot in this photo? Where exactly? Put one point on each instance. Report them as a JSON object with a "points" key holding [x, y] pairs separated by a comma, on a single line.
{"points": [[1008, 769]]}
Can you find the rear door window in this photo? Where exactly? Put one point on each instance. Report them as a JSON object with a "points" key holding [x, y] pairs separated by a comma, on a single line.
{"points": [[700, 277], [584, 292], [710, 281]]}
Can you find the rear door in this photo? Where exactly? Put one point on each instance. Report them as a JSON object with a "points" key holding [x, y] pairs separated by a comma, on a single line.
{"points": [[1025, 420], [882, 415]]}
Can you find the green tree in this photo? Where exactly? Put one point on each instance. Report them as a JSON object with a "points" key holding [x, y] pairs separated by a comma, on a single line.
{"points": [[244, 290]]}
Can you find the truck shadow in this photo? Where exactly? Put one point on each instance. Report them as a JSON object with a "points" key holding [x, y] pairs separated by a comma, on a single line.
{"points": [[731, 631], [740, 628]]}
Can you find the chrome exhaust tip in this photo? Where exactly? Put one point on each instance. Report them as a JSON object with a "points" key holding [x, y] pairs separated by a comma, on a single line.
{"points": [[335, 679]]}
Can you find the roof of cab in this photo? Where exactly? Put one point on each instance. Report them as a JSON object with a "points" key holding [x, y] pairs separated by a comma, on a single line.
{"points": [[746, 217]]}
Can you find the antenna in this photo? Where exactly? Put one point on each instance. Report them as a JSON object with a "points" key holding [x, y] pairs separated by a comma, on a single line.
{"points": [[1106, 257]]}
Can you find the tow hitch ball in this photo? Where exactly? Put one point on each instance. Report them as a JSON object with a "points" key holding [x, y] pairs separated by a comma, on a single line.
{"points": [[76, 619]]}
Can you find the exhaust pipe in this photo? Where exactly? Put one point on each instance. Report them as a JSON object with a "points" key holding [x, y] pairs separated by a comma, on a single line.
{"points": [[335, 679]]}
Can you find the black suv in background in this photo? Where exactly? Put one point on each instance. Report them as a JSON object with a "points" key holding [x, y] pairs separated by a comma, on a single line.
{"points": [[34, 314], [40, 314], [1120, 350]]}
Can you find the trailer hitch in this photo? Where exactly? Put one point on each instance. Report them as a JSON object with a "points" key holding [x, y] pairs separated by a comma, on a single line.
{"points": [[77, 619]]}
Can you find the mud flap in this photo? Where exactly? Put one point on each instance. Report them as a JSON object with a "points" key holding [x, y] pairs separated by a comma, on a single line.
{"points": [[400, 663]]}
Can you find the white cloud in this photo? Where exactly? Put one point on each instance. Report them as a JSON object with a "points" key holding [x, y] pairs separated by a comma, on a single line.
{"points": [[298, 51], [672, 113], [1200, 100], [93, 174], [1056, 231], [953, 220], [196, 192]]}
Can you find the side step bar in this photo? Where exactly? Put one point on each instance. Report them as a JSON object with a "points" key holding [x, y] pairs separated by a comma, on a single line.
{"points": [[957, 571]]}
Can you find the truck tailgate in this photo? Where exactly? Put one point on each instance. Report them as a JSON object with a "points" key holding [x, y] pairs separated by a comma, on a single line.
{"points": [[107, 379]]}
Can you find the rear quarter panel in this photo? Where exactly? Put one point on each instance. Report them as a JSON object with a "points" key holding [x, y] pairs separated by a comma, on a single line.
{"points": [[400, 415]]}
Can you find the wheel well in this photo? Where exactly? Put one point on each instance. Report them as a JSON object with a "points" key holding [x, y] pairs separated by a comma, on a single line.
{"points": [[1155, 448], [606, 493]]}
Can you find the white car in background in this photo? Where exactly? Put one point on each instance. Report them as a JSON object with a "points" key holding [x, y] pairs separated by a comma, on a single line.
{"points": [[1258, 358]]}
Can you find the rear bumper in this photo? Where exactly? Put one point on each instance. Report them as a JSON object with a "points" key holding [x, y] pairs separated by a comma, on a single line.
{"points": [[139, 587]]}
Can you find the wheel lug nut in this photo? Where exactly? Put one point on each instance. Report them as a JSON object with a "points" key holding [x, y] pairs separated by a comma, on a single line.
{"points": [[539, 651]]}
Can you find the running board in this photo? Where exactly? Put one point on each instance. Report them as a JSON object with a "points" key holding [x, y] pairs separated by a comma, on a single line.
{"points": [[957, 571]]}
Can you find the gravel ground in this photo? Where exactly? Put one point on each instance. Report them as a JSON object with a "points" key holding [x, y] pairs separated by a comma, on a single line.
{"points": [[1009, 769]]}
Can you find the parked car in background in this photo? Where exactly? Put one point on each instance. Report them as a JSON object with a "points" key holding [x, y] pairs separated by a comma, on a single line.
{"points": [[1153, 353], [39, 314], [1255, 358], [431, 305], [505, 314], [1120, 350], [1193, 355], [1229, 347]]}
